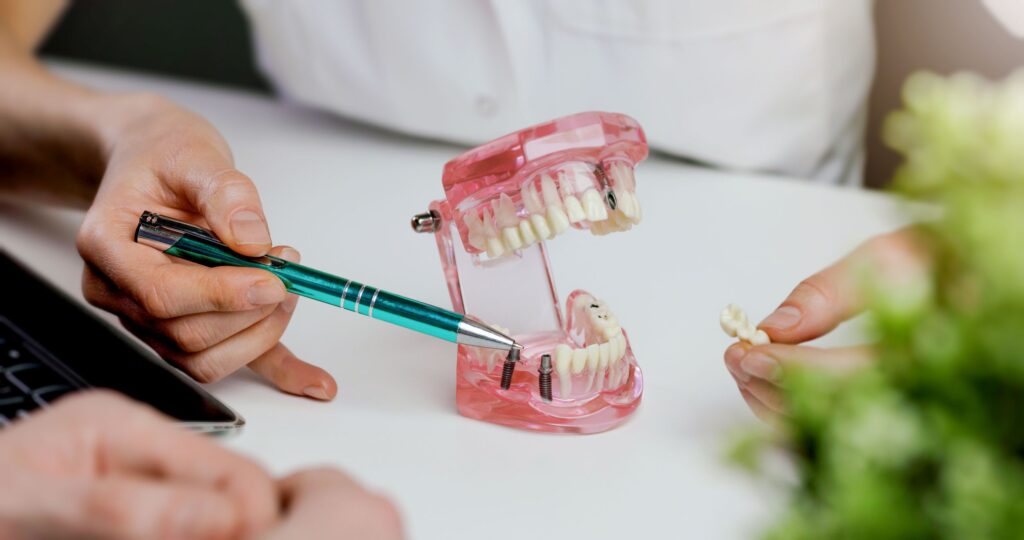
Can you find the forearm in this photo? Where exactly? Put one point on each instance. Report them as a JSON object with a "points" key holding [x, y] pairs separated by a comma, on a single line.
{"points": [[51, 131]]}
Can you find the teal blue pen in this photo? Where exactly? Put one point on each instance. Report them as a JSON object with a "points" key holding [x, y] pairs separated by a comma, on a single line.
{"points": [[199, 245]]}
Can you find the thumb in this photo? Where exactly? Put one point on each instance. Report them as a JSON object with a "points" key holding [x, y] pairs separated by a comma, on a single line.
{"points": [[226, 198]]}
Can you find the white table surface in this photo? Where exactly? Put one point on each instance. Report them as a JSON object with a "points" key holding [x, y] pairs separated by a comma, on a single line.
{"points": [[343, 195]]}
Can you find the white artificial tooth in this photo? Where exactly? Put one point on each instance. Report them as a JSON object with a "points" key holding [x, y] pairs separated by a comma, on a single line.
{"points": [[475, 227], [745, 332], [593, 361], [593, 205], [574, 209], [604, 352], [760, 338], [636, 204], [622, 346], [579, 361], [526, 233], [624, 203], [549, 192], [611, 331], [505, 212], [563, 366], [628, 178], [540, 226], [621, 220], [531, 200], [495, 247], [558, 220], [512, 238], [730, 319]]}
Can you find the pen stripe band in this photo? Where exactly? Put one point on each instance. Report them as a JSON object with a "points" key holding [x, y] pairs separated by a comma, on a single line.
{"points": [[355, 307], [373, 301], [344, 292]]}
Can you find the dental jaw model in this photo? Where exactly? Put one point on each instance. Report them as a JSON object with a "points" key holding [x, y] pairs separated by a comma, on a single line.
{"points": [[503, 201]]}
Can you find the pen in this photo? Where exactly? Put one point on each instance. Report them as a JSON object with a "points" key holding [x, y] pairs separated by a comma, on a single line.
{"points": [[199, 245]]}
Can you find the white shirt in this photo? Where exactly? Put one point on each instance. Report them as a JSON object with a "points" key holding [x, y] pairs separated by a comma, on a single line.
{"points": [[776, 86]]}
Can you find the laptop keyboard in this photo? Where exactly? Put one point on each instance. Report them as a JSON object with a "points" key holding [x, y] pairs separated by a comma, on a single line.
{"points": [[29, 377]]}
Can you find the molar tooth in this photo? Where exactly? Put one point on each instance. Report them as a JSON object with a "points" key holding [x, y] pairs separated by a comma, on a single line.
{"points": [[563, 361], [612, 331], [760, 338], [540, 226], [593, 205], [579, 360], [526, 233], [604, 352]]}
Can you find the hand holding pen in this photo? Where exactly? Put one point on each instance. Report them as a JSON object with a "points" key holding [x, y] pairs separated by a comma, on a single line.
{"points": [[209, 322]]}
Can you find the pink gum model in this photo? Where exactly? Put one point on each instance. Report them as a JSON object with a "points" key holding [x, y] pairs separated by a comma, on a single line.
{"points": [[503, 200]]}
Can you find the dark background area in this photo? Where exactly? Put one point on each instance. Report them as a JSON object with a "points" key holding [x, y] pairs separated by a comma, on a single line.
{"points": [[205, 40]]}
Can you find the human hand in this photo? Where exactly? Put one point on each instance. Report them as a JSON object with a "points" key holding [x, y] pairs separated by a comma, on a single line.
{"points": [[207, 321], [325, 503], [815, 307], [97, 465]]}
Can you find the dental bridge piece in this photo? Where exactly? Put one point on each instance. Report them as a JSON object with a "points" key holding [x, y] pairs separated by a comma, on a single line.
{"points": [[503, 201], [735, 323]]}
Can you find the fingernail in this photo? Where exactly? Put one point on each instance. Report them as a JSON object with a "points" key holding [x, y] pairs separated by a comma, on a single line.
{"points": [[290, 255], [760, 365], [316, 392], [733, 356], [264, 292], [249, 228], [782, 318]]}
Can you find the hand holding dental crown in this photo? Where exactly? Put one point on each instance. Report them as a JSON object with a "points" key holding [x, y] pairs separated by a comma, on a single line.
{"points": [[735, 323]]}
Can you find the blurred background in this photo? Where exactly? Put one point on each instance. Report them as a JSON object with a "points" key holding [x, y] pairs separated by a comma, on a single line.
{"points": [[210, 41]]}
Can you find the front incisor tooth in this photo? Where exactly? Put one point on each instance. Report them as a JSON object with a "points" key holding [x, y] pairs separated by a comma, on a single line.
{"points": [[574, 209], [563, 366], [579, 360], [526, 233], [540, 226], [593, 205]]}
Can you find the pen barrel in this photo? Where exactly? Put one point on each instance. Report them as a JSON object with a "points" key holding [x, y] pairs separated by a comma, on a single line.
{"points": [[328, 288]]}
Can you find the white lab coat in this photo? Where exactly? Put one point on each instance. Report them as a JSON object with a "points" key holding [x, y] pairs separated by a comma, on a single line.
{"points": [[776, 86]]}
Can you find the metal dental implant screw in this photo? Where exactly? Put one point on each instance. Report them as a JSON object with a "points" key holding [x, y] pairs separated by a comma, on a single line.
{"points": [[426, 222], [509, 367], [544, 377]]}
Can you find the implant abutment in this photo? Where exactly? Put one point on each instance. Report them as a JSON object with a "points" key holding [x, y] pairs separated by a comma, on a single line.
{"points": [[508, 369], [544, 377]]}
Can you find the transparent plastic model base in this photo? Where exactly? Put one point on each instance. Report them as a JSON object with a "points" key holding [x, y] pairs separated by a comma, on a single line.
{"points": [[504, 200]]}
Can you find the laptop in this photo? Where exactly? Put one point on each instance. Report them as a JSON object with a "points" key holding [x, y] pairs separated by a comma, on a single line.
{"points": [[51, 346]]}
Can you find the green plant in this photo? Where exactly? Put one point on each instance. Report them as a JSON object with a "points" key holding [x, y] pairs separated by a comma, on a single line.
{"points": [[928, 442]]}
